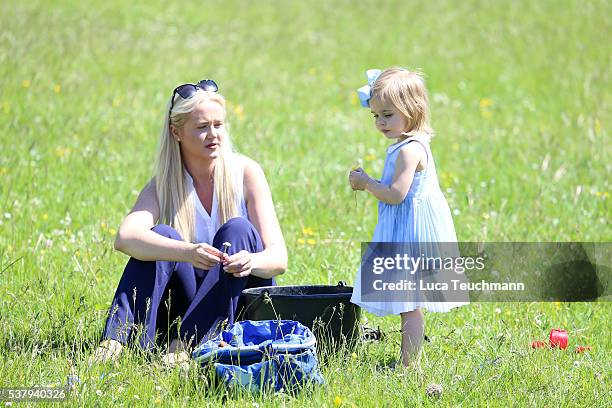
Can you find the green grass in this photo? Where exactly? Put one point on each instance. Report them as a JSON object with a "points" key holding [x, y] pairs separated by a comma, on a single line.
{"points": [[520, 102]]}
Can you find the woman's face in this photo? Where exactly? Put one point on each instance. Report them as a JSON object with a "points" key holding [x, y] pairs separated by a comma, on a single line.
{"points": [[204, 131]]}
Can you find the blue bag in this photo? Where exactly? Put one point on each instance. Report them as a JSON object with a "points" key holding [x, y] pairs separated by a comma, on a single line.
{"points": [[265, 354]]}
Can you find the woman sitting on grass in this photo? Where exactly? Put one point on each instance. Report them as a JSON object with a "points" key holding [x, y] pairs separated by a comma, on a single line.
{"points": [[202, 197]]}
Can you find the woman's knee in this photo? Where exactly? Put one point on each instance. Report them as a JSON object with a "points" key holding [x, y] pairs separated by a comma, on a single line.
{"points": [[167, 231], [236, 225]]}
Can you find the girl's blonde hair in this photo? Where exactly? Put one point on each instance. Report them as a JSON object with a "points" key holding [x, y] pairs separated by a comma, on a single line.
{"points": [[175, 207], [406, 91]]}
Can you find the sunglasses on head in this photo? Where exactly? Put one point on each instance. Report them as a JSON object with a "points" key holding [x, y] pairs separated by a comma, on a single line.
{"points": [[186, 91]]}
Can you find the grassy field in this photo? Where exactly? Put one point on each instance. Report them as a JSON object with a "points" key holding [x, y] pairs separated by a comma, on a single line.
{"points": [[520, 100]]}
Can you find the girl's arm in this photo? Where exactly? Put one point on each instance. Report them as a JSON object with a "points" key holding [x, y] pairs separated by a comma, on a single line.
{"points": [[136, 239], [272, 260], [406, 165]]}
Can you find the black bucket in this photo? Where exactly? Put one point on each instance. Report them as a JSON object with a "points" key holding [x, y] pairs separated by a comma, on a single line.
{"points": [[325, 309]]}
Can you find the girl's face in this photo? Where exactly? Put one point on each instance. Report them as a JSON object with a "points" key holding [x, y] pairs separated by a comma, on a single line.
{"points": [[388, 120], [204, 131]]}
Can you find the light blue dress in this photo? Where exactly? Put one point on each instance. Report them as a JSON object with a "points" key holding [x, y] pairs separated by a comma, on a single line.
{"points": [[423, 216]]}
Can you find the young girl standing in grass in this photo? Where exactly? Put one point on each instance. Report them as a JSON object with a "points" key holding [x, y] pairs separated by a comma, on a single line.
{"points": [[412, 208]]}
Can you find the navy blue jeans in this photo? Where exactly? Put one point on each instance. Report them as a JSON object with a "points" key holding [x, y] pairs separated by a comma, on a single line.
{"points": [[155, 295]]}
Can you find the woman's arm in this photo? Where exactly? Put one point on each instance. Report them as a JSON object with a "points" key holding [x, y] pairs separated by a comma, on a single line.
{"points": [[272, 260], [136, 239], [406, 165]]}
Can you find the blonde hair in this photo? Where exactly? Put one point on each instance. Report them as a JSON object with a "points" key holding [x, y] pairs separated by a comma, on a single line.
{"points": [[175, 207], [406, 91]]}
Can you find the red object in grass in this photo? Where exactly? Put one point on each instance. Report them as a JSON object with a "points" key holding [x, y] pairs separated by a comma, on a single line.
{"points": [[558, 338], [580, 349], [538, 344]]}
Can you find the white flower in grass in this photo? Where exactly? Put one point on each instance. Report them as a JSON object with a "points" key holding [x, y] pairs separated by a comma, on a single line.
{"points": [[434, 390], [7, 216], [457, 378], [99, 393]]}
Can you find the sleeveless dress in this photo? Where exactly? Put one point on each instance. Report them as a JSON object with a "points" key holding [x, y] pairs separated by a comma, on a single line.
{"points": [[423, 216], [208, 224]]}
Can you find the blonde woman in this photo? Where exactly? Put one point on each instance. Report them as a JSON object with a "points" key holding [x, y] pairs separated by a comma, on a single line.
{"points": [[202, 196]]}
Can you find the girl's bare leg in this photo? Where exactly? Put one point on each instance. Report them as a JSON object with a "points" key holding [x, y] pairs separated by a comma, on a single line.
{"points": [[413, 329]]}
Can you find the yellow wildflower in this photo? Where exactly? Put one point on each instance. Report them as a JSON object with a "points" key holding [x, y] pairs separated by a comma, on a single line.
{"points": [[354, 98], [312, 71], [45, 216], [103, 225], [239, 111], [311, 241], [455, 147], [26, 83], [307, 231], [62, 151], [301, 241], [337, 401], [57, 88], [370, 157], [112, 231], [486, 102], [597, 126]]}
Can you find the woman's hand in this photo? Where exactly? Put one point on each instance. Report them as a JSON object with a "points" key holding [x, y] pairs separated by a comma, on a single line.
{"points": [[204, 256], [358, 179], [238, 264]]}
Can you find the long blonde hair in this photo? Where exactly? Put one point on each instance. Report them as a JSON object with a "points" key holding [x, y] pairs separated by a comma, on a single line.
{"points": [[406, 91], [175, 206]]}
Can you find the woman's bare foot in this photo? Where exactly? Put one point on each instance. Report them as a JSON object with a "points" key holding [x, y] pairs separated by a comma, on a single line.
{"points": [[179, 358], [172, 359], [176, 355], [108, 350]]}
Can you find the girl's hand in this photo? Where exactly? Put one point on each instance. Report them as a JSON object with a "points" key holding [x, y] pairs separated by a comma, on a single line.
{"points": [[358, 179], [238, 264], [205, 256]]}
